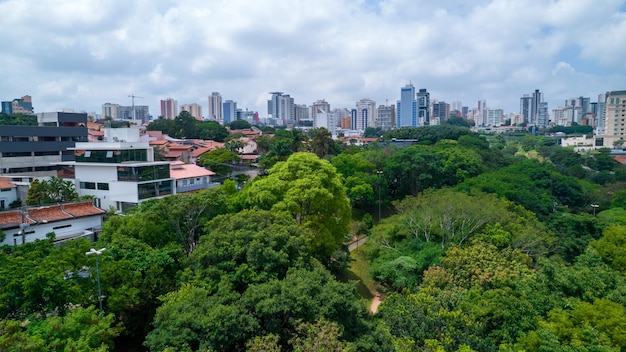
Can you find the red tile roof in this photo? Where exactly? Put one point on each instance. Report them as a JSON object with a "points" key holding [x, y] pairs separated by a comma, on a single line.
{"points": [[48, 213], [196, 153], [5, 182]]}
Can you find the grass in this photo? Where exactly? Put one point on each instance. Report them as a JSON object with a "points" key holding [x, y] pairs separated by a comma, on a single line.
{"points": [[359, 271]]}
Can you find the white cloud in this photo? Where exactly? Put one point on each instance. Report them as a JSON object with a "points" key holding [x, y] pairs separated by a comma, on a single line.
{"points": [[81, 54]]}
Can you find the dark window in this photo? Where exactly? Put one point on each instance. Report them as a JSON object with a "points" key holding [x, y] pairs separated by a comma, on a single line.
{"points": [[88, 185], [61, 227], [103, 186], [46, 153]]}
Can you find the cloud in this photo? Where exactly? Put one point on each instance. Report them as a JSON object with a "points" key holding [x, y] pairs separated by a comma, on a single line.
{"points": [[81, 54]]}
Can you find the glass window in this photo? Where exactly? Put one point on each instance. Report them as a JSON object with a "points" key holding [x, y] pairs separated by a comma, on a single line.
{"points": [[103, 186]]}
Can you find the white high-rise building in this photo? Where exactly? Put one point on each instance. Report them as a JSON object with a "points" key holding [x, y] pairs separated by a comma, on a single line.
{"points": [[215, 107], [194, 109], [366, 114]]}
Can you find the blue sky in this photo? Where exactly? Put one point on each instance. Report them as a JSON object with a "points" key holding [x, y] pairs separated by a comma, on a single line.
{"points": [[70, 54]]}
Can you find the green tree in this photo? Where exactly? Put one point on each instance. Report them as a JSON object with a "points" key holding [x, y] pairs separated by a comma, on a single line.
{"points": [[54, 190], [322, 143], [218, 160], [612, 247], [310, 189], [412, 170], [239, 125]]}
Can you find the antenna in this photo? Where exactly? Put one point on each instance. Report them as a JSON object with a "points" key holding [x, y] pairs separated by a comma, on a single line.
{"points": [[133, 96]]}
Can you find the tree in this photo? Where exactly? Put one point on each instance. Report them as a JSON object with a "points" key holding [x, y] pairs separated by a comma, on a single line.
{"points": [[54, 190], [322, 143], [218, 160], [310, 189], [239, 125], [412, 170], [612, 247]]}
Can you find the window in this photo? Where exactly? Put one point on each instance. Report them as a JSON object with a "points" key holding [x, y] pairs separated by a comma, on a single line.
{"points": [[62, 227], [103, 186], [88, 185]]}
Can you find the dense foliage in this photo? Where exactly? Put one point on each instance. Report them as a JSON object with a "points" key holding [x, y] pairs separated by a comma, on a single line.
{"points": [[186, 126], [480, 247]]}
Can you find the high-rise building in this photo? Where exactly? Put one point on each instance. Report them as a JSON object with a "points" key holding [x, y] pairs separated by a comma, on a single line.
{"points": [[215, 107], [537, 98], [524, 107], [386, 117], [441, 111], [301, 113], [194, 109], [318, 107], [423, 107], [366, 114], [495, 117], [328, 120], [229, 108], [600, 114], [110, 110], [281, 107], [23, 105], [614, 118], [407, 107], [169, 108], [543, 118]]}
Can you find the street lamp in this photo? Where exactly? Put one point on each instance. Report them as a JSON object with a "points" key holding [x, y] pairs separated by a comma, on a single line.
{"points": [[594, 206], [97, 253], [380, 184]]}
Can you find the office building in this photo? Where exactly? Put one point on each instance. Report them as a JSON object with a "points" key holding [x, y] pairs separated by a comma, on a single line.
{"points": [[215, 107], [169, 108], [407, 107], [524, 108], [229, 109], [423, 107], [441, 111], [194, 110], [34, 150]]}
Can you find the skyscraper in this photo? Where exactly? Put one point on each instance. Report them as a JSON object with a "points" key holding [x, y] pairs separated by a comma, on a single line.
{"points": [[366, 114], [229, 109], [319, 107], [524, 107], [215, 107], [534, 108], [441, 111], [169, 108], [386, 117], [423, 107], [407, 107], [281, 106]]}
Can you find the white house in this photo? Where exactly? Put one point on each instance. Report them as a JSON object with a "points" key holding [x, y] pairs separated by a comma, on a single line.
{"points": [[120, 172], [190, 177], [67, 221]]}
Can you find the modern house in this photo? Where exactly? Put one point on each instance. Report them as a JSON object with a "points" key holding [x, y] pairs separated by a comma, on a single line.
{"points": [[190, 177], [67, 221], [119, 172], [8, 192]]}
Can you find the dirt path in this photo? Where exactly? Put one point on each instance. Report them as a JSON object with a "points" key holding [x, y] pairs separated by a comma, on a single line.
{"points": [[378, 298]]}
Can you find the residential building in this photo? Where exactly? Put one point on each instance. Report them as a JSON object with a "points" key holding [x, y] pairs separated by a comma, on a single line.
{"points": [[543, 119], [600, 114], [68, 221], [8, 192], [194, 109], [169, 108], [23, 105], [33, 150], [328, 120], [190, 177], [281, 107], [423, 107], [537, 99], [366, 114], [318, 107], [215, 107], [141, 113], [229, 110], [407, 107], [614, 120], [110, 110], [495, 117], [386, 117], [301, 115], [119, 172]]}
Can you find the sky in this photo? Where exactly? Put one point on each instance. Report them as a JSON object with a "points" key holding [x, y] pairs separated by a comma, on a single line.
{"points": [[79, 54]]}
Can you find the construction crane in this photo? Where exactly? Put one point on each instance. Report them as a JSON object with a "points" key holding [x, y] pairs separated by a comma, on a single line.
{"points": [[133, 96]]}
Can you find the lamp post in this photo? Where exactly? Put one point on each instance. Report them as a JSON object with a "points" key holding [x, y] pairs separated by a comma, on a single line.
{"points": [[594, 206], [380, 184], [97, 253]]}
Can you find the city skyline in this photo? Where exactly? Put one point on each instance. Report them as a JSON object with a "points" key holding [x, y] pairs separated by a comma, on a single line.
{"points": [[79, 57]]}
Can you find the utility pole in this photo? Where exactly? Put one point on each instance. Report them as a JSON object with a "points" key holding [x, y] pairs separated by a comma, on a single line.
{"points": [[133, 96]]}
